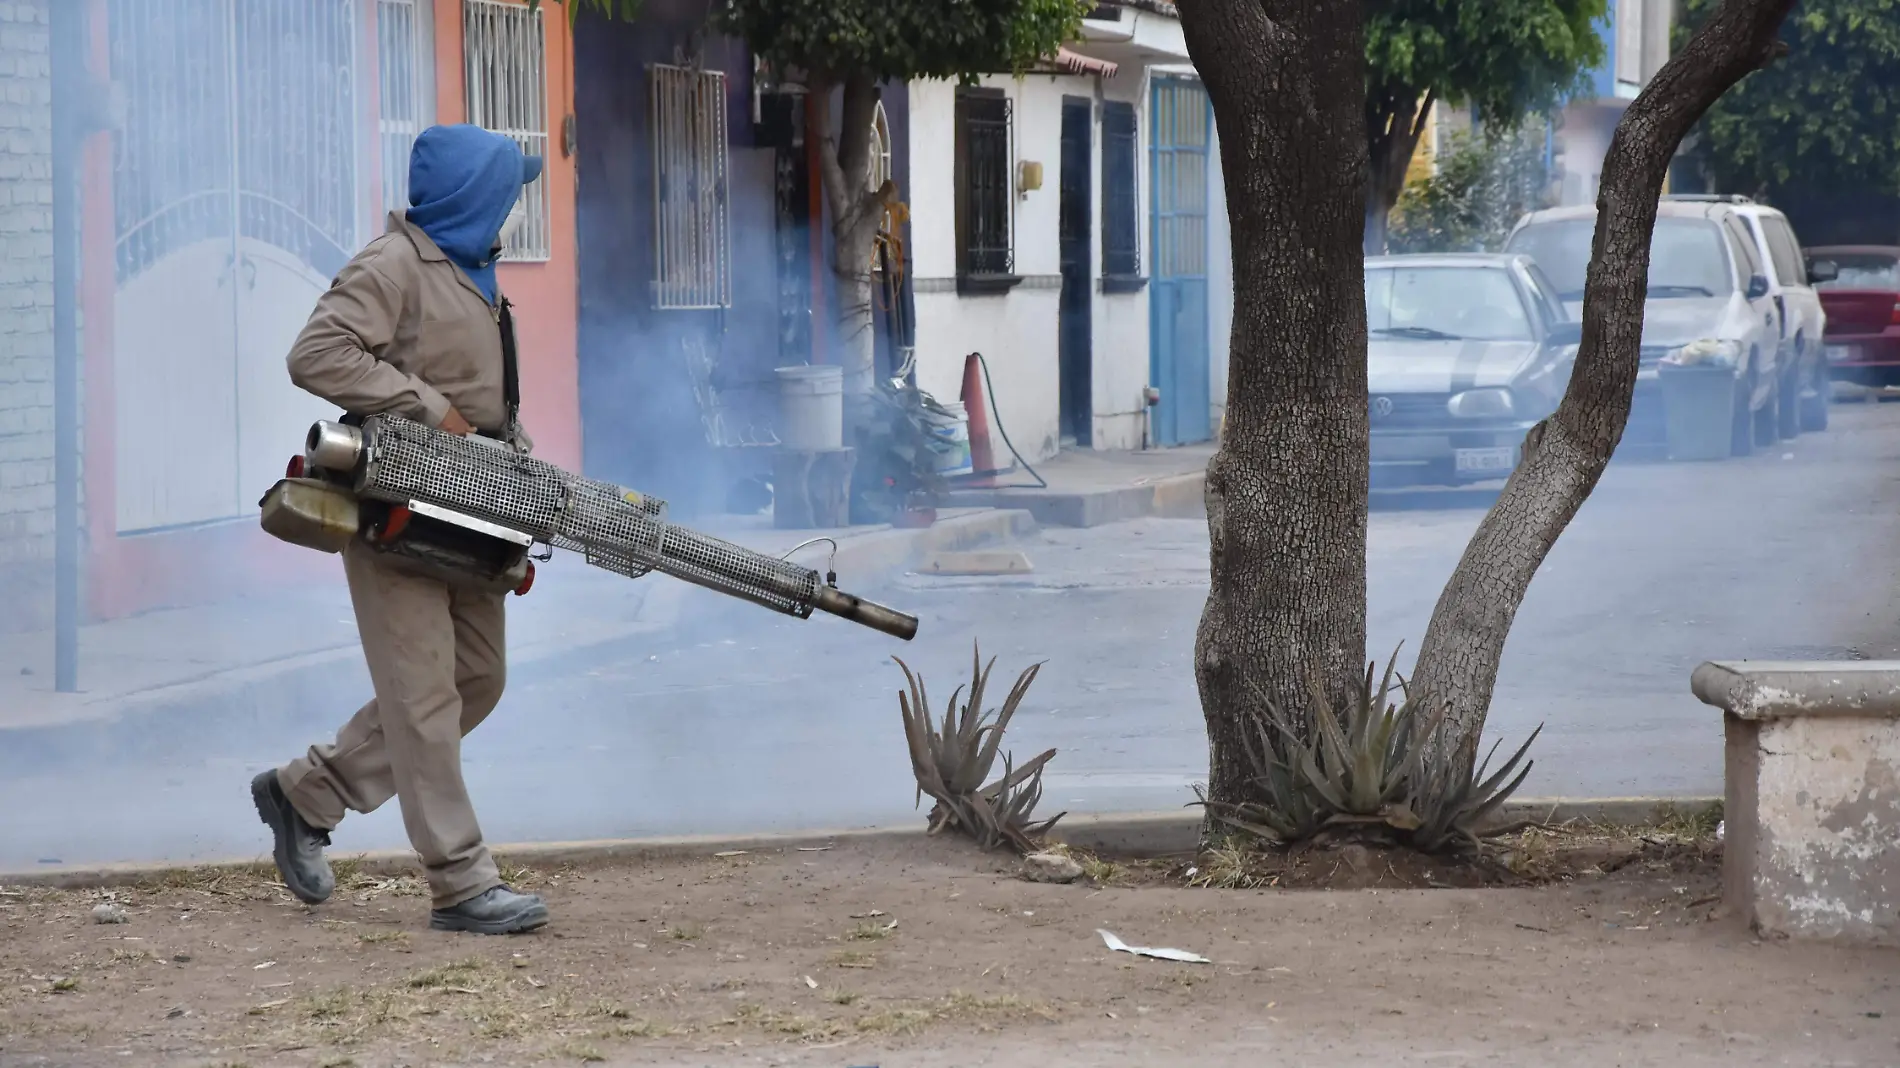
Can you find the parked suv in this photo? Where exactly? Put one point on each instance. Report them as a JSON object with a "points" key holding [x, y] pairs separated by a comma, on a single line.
{"points": [[1708, 298], [1805, 389]]}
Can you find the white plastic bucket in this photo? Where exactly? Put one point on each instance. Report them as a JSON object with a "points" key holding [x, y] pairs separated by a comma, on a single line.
{"points": [[811, 407], [955, 433]]}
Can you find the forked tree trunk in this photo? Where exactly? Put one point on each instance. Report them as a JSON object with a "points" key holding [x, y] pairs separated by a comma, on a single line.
{"points": [[1286, 489], [856, 212], [1566, 453]]}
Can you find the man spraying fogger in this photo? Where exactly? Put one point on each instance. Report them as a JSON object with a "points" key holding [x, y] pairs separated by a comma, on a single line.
{"points": [[415, 326]]}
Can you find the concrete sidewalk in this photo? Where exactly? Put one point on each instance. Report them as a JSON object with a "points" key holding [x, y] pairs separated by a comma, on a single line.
{"points": [[281, 652], [195, 654], [1088, 488]]}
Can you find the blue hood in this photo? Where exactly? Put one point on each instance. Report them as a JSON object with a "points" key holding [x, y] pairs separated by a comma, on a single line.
{"points": [[463, 181]]}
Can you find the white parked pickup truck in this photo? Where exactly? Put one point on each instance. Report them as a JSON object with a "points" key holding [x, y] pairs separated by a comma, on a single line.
{"points": [[1805, 389]]}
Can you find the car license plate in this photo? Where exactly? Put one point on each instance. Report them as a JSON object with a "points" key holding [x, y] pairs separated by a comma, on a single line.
{"points": [[1480, 461], [1840, 353]]}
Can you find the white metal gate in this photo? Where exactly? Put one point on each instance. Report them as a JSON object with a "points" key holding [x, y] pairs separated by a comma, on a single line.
{"points": [[236, 200]]}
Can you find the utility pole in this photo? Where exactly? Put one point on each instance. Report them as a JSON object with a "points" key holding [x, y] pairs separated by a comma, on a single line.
{"points": [[71, 86]]}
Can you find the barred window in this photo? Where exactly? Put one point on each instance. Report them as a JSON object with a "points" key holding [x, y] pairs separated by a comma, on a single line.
{"points": [[691, 240], [406, 88], [505, 46], [985, 256], [1121, 210]]}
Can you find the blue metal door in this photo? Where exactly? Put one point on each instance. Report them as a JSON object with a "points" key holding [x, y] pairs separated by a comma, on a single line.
{"points": [[1178, 349]]}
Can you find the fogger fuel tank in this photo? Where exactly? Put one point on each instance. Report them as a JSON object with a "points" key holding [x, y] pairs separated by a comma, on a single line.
{"points": [[475, 510]]}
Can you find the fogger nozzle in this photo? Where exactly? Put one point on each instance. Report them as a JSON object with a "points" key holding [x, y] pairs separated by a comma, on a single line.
{"points": [[868, 613]]}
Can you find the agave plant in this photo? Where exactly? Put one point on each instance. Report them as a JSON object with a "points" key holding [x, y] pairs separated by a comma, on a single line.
{"points": [[951, 762], [1452, 800], [1289, 810], [1356, 766], [1368, 767]]}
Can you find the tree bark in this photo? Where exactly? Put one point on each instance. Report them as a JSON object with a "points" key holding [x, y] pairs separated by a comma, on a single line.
{"points": [[856, 212], [1286, 489], [1396, 117], [1566, 453]]}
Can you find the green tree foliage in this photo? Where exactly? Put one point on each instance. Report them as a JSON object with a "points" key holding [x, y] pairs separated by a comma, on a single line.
{"points": [[1505, 59], [1483, 186], [1826, 116], [902, 40], [888, 40]]}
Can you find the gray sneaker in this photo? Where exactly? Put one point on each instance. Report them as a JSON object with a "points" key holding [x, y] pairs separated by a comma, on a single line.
{"points": [[299, 846], [496, 911]]}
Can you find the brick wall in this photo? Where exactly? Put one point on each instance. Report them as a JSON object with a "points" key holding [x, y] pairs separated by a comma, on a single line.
{"points": [[26, 316]]}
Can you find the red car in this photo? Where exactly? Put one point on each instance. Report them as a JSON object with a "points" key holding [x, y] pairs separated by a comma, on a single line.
{"points": [[1860, 291]]}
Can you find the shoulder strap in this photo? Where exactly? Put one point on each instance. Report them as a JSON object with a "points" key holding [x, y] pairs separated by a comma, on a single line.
{"points": [[510, 366]]}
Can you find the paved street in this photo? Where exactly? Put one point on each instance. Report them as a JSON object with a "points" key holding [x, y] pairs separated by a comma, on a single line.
{"points": [[780, 724]]}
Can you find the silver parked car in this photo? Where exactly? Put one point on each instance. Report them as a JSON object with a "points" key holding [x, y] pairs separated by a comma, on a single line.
{"points": [[1465, 354]]}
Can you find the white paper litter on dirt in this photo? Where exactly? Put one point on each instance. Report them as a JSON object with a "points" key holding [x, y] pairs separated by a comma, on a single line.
{"points": [[1182, 955]]}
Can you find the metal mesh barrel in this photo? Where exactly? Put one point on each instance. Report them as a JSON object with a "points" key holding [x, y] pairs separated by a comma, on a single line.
{"points": [[614, 528]]}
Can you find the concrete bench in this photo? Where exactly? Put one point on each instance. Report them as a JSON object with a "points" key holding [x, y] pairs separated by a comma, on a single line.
{"points": [[1812, 795]]}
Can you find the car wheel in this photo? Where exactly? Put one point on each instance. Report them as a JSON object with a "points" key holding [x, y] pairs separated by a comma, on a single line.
{"points": [[1742, 432], [1818, 399], [1768, 417], [1788, 410]]}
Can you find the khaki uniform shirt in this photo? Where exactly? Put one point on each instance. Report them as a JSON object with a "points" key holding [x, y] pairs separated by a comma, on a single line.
{"points": [[403, 330]]}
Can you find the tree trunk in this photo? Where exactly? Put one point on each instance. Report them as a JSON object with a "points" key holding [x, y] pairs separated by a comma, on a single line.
{"points": [[856, 212], [1566, 454], [1286, 489], [1395, 121]]}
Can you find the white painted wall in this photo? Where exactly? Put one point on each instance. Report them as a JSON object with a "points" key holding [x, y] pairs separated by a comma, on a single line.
{"points": [[1120, 322], [1017, 331], [1220, 282]]}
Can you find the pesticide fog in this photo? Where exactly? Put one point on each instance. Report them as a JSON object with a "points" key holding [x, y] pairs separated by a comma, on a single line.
{"points": [[734, 720], [208, 653]]}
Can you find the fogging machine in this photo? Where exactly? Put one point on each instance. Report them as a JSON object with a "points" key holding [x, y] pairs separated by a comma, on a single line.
{"points": [[477, 511]]}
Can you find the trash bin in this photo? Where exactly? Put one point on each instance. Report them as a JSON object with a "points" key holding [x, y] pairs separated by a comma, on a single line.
{"points": [[1698, 410]]}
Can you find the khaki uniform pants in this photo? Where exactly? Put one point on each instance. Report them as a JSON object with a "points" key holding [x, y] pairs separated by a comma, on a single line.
{"points": [[437, 659]]}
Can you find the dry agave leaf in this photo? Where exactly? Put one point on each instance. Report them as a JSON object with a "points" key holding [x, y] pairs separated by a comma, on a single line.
{"points": [[952, 756]]}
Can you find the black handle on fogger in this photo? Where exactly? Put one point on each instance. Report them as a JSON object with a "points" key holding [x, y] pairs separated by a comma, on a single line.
{"points": [[867, 613]]}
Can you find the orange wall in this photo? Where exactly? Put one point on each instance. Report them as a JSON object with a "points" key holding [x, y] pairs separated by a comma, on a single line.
{"points": [[546, 295]]}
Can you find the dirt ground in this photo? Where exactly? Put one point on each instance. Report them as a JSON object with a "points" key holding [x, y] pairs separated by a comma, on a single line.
{"points": [[932, 955]]}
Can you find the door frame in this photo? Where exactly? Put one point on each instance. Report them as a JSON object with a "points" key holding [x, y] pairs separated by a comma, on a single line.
{"points": [[1173, 423], [1075, 337]]}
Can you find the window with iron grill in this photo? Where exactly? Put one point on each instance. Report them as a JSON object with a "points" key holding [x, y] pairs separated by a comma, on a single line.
{"points": [[505, 46], [1121, 212], [406, 84], [691, 228], [985, 255]]}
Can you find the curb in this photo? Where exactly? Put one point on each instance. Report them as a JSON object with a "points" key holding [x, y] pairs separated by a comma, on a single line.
{"points": [[1148, 834], [1135, 834], [1172, 497], [275, 698]]}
